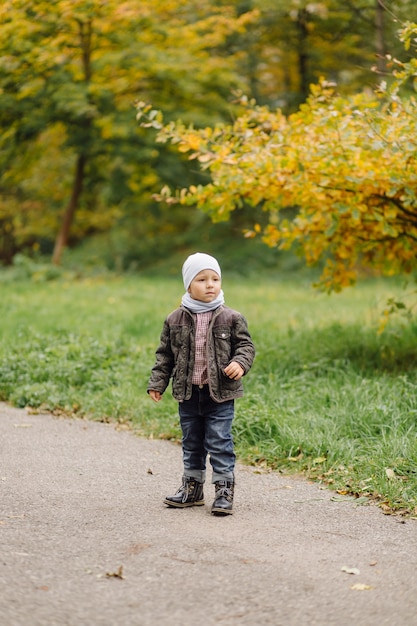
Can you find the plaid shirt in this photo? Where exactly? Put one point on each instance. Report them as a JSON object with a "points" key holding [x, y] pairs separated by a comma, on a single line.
{"points": [[200, 376]]}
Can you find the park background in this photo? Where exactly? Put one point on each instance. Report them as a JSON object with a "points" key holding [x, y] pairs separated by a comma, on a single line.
{"points": [[135, 133]]}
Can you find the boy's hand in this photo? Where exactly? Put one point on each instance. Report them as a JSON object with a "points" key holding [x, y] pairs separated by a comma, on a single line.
{"points": [[155, 395], [234, 370]]}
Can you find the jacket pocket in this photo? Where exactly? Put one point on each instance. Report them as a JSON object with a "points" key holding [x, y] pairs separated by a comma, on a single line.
{"points": [[223, 345]]}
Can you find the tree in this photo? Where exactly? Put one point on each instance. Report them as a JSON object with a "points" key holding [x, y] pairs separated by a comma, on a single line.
{"points": [[72, 161], [346, 166], [75, 67], [295, 42]]}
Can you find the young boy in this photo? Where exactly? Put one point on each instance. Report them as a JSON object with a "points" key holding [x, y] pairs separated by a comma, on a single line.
{"points": [[206, 348]]}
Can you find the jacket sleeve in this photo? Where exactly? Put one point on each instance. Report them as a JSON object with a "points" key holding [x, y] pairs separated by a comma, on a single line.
{"points": [[164, 363], [243, 347]]}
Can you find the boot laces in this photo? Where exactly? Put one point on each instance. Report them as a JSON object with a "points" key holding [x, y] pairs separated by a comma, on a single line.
{"points": [[186, 489], [224, 491]]}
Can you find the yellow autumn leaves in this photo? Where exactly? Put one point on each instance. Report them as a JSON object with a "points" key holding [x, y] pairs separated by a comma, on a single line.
{"points": [[346, 167]]}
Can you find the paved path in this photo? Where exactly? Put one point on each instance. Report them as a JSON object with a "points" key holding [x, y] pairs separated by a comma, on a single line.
{"points": [[86, 541]]}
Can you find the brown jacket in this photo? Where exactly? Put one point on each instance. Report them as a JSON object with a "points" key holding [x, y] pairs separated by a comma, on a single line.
{"points": [[228, 340]]}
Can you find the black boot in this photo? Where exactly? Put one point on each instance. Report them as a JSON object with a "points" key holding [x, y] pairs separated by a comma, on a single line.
{"points": [[189, 494], [223, 502]]}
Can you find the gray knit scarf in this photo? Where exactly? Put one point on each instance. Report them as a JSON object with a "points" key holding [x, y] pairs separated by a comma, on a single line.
{"points": [[196, 306]]}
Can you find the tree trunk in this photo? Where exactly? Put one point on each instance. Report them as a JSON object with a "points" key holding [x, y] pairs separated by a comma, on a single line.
{"points": [[379, 38], [302, 20], [68, 217], [85, 34]]}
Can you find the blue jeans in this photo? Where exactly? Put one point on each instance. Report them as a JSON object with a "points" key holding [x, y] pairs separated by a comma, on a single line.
{"points": [[207, 429]]}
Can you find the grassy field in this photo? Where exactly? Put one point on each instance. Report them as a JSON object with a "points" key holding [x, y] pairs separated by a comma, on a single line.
{"points": [[327, 396]]}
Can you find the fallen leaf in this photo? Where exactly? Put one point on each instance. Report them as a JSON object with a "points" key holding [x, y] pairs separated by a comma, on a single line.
{"points": [[121, 427], [118, 574], [296, 458], [342, 498], [360, 587], [361, 501], [390, 473], [386, 509], [350, 570], [150, 471]]}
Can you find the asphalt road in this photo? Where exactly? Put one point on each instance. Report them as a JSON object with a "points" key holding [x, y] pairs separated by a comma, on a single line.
{"points": [[85, 540]]}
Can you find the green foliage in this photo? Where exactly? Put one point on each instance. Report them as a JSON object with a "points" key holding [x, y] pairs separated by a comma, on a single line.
{"points": [[69, 75], [25, 268], [327, 395], [70, 72], [128, 250]]}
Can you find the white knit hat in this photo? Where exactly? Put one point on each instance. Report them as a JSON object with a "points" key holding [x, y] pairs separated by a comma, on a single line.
{"points": [[195, 264]]}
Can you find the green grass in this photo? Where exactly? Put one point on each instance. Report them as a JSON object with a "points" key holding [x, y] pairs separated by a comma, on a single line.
{"points": [[327, 395]]}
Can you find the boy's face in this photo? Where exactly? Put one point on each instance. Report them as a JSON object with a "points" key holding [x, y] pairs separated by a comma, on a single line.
{"points": [[205, 286]]}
